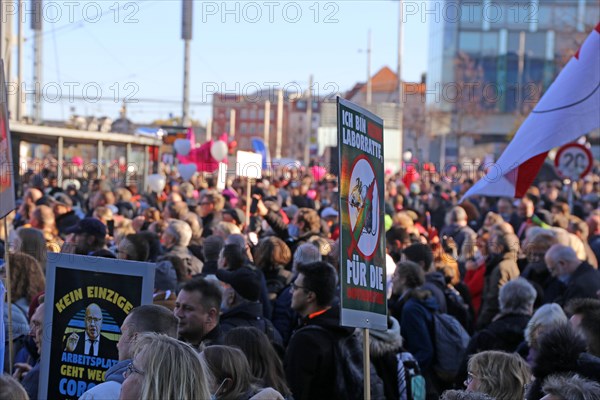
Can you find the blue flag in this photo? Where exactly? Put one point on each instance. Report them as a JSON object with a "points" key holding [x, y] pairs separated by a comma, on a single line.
{"points": [[259, 147]]}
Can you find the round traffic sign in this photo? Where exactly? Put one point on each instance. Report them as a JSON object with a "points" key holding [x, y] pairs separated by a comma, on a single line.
{"points": [[573, 161]]}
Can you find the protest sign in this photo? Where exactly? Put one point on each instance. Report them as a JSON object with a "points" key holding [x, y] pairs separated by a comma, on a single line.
{"points": [[7, 178], [362, 233], [87, 300], [249, 164]]}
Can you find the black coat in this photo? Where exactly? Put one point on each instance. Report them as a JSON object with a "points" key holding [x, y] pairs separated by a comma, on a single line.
{"points": [[65, 221], [309, 359], [250, 314], [503, 334], [583, 283]]}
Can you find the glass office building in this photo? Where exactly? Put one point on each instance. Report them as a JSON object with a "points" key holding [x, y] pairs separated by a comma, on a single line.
{"points": [[505, 53]]}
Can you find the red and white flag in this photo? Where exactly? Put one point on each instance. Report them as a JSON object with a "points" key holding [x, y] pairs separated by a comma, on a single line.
{"points": [[569, 109]]}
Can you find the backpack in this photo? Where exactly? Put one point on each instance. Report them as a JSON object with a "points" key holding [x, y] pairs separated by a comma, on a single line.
{"points": [[348, 361], [411, 383], [450, 342]]}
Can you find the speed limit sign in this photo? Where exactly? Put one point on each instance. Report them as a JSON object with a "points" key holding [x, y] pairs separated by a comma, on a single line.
{"points": [[573, 161]]}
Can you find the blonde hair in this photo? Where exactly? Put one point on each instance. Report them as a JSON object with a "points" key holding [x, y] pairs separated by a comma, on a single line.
{"points": [[229, 363], [103, 213], [501, 375], [11, 389], [172, 370], [122, 229]]}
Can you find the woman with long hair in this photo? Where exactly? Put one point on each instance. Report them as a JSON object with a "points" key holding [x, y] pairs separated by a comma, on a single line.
{"points": [[164, 368], [26, 279], [414, 310], [232, 377], [265, 364], [271, 256]]}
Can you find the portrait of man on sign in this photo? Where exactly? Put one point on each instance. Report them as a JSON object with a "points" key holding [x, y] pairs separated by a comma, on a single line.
{"points": [[87, 342]]}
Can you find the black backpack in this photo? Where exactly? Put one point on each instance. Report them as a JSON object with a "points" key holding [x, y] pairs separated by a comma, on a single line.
{"points": [[349, 377]]}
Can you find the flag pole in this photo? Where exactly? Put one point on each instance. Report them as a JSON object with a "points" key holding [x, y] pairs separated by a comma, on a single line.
{"points": [[366, 364], [8, 299], [248, 200]]}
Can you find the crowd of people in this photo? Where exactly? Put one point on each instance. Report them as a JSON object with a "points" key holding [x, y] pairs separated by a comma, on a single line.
{"points": [[249, 308]]}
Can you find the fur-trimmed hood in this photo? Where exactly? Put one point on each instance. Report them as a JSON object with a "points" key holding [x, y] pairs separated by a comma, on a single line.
{"points": [[384, 342], [559, 350]]}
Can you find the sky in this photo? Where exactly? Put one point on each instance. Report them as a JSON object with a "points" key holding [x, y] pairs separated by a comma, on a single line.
{"points": [[133, 49]]}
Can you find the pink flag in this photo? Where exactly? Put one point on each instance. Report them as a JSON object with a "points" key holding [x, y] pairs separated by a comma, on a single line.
{"points": [[191, 136], [569, 109]]}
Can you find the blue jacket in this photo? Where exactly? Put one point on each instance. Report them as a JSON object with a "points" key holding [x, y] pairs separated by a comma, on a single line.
{"points": [[416, 325]]}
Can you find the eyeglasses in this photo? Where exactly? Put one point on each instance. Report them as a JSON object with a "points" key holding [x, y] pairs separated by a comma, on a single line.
{"points": [[470, 378], [296, 287], [132, 369], [94, 320]]}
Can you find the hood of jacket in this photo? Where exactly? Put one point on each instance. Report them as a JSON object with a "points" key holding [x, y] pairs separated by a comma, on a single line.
{"points": [[115, 373], [267, 394], [246, 310], [385, 342], [559, 351], [430, 303], [437, 278]]}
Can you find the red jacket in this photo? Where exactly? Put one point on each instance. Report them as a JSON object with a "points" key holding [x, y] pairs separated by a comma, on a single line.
{"points": [[474, 279]]}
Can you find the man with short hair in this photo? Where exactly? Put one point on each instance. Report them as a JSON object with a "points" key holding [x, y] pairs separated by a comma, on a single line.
{"points": [[142, 319], [309, 360], [133, 247], [65, 215], [89, 239], [209, 210], [457, 228], [198, 307], [284, 317], [580, 228], [175, 240], [210, 250], [580, 280], [240, 305]]}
